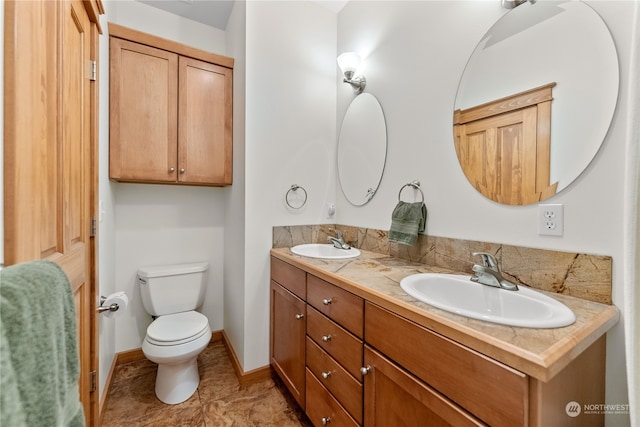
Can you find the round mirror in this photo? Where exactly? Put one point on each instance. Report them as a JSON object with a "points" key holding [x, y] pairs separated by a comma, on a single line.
{"points": [[535, 101], [362, 149]]}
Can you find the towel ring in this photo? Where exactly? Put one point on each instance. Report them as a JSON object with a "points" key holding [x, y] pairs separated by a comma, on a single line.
{"points": [[294, 188], [414, 184]]}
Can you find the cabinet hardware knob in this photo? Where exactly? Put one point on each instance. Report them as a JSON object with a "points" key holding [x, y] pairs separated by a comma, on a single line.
{"points": [[327, 301], [326, 375], [325, 420], [365, 370], [181, 170], [326, 338], [299, 316], [172, 170]]}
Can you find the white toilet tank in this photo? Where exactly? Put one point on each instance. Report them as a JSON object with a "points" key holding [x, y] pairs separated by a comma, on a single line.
{"points": [[168, 289]]}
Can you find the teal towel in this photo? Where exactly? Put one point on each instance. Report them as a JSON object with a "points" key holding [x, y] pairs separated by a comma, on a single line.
{"points": [[407, 220], [39, 363]]}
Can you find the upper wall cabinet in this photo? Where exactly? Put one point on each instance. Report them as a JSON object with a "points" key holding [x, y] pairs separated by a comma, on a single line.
{"points": [[170, 112]]}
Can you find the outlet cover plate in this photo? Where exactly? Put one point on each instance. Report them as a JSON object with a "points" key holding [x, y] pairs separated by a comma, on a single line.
{"points": [[551, 219]]}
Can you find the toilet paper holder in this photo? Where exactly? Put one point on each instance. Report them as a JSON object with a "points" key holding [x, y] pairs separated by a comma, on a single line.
{"points": [[103, 308]]}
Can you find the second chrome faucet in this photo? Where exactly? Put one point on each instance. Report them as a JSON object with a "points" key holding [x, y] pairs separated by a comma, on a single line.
{"points": [[488, 273], [338, 240]]}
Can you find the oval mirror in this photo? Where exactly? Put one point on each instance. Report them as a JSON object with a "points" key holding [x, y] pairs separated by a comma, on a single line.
{"points": [[362, 149], [535, 101]]}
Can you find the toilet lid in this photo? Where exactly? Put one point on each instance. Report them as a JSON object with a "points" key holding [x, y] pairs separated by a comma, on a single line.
{"points": [[177, 328]]}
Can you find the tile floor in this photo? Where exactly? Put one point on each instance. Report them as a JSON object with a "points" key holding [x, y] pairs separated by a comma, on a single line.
{"points": [[219, 401]]}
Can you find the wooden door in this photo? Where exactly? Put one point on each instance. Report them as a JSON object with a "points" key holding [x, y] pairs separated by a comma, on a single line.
{"points": [[143, 115], [287, 341], [204, 125], [504, 146], [499, 156], [392, 397], [50, 154]]}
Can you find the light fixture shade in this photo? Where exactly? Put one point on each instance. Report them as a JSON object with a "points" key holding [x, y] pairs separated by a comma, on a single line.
{"points": [[348, 62]]}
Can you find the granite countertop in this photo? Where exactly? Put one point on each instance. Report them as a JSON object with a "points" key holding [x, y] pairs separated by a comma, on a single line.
{"points": [[540, 353]]}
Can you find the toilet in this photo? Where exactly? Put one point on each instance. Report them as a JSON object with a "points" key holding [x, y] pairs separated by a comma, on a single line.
{"points": [[178, 333]]}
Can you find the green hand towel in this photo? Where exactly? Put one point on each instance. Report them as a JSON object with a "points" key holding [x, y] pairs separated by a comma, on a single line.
{"points": [[407, 220], [39, 359]]}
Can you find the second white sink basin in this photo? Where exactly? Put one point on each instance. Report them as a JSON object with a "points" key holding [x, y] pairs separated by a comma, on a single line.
{"points": [[325, 251], [458, 294]]}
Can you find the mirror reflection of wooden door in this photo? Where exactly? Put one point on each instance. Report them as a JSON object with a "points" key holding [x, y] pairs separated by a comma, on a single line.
{"points": [[504, 147], [50, 155]]}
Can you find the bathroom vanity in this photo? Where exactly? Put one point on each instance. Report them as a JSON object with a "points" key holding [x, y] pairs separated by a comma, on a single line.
{"points": [[354, 349]]}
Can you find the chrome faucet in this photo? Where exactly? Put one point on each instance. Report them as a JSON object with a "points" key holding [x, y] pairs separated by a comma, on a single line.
{"points": [[489, 273], [338, 241]]}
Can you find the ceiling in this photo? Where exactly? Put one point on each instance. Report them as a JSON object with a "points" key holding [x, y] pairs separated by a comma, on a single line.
{"points": [[215, 13]]}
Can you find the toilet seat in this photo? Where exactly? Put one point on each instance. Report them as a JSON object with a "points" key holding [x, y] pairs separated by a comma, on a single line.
{"points": [[178, 328]]}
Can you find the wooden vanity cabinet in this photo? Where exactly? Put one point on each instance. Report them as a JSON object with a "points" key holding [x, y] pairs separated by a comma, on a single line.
{"points": [[170, 113], [316, 344], [335, 327], [413, 376], [393, 397], [491, 391], [288, 327]]}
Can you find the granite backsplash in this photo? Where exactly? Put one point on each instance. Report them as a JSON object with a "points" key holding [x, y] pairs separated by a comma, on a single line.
{"points": [[579, 275]]}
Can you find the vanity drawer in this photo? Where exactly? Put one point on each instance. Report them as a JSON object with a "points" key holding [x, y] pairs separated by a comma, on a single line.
{"points": [[341, 306], [335, 340], [493, 392], [323, 408], [290, 277], [346, 389]]}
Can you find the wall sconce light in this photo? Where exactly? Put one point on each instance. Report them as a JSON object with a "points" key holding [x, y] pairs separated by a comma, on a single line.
{"points": [[348, 62], [510, 4]]}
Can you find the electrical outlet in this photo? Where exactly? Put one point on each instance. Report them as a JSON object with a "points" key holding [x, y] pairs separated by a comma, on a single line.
{"points": [[551, 217]]}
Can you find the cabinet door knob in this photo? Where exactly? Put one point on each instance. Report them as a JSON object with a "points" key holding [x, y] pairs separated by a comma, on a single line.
{"points": [[365, 370], [326, 338], [326, 375], [299, 316], [181, 170], [327, 301], [325, 420], [172, 170]]}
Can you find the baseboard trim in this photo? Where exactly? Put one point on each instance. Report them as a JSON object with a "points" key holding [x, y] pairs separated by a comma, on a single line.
{"points": [[249, 377], [245, 378]]}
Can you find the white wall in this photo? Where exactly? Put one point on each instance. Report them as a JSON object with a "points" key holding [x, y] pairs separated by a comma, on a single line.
{"points": [[290, 139], [234, 244], [415, 55]]}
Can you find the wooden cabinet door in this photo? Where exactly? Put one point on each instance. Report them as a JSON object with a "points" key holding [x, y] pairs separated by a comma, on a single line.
{"points": [[392, 397], [50, 158], [204, 123], [287, 341], [143, 113]]}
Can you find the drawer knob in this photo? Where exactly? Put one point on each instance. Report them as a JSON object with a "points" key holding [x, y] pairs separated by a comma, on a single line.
{"points": [[326, 375], [181, 170], [325, 420], [299, 316], [326, 338], [365, 370], [171, 170], [327, 301]]}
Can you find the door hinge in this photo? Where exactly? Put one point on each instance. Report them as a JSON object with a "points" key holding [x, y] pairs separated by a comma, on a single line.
{"points": [[93, 70], [93, 228], [93, 379]]}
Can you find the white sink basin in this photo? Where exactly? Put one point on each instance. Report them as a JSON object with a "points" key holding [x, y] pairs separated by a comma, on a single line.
{"points": [[326, 251], [458, 294]]}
